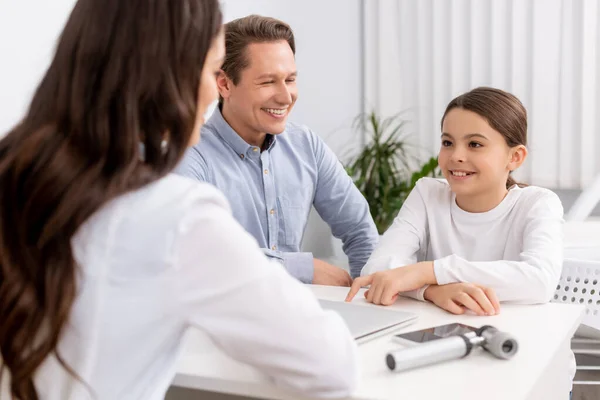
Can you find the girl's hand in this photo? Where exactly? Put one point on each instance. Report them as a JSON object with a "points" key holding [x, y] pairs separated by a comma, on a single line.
{"points": [[386, 285], [458, 297]]}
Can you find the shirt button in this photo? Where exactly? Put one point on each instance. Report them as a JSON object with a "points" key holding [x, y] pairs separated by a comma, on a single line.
{"points": [[242, 156], [273, 247], [272, 212], [255, 149], [266, 171]]}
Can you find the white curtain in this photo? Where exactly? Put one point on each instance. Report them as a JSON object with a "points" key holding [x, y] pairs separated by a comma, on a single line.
{"points": [[419, 54]]}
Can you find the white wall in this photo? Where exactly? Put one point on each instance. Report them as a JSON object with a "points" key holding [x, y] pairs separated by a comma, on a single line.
{"points": [[28, 33]]}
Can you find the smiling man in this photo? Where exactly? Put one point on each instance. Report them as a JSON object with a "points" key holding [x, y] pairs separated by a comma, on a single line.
{"points": [[273, 171]]}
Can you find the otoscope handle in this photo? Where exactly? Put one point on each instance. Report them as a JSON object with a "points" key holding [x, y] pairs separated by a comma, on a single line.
{"points": [[436, 351]]}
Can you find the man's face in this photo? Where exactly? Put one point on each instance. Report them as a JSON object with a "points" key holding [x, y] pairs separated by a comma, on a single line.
{"points": [[266, 91]]}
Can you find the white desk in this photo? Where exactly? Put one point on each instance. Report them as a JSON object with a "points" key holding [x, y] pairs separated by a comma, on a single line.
{"points": [[538, 371]]}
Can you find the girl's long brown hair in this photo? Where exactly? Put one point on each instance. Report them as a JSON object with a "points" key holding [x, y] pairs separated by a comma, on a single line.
{"points": [[125, 72]]}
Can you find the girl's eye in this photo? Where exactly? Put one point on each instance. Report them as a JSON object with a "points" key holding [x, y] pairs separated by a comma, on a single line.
{"points": [[446, 143], [475, 145]]}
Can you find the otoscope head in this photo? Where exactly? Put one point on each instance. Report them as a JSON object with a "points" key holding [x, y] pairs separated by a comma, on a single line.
{"points": [[500, 344]]}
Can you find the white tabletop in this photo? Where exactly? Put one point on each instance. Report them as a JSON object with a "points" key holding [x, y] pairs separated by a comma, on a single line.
{"points": [[543, 331]]}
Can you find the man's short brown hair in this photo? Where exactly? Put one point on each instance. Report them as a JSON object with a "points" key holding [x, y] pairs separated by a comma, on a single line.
{"points": [[241, 32]]}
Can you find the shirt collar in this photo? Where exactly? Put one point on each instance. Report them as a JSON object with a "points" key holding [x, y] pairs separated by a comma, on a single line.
{"points": [[235, 141]]}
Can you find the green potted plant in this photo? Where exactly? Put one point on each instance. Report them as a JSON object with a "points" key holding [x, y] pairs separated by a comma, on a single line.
{"points": [[387, 168]]}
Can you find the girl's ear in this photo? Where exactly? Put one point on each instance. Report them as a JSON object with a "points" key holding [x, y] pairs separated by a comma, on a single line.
{"points": [[517, 155]]}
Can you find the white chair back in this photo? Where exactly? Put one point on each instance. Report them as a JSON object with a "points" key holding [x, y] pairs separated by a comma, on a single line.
{"points": [[580, 284]]}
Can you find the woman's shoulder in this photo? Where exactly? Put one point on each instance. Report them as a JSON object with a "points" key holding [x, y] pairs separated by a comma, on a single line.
{"points": [[165, 203], [188, 191], [144, 223]]}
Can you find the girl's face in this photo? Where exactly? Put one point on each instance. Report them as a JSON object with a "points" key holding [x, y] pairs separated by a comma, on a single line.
{"points": [[474, 157]]}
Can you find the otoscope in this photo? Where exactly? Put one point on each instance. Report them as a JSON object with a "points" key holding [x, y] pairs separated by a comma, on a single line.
{"points": [[500, 344]]}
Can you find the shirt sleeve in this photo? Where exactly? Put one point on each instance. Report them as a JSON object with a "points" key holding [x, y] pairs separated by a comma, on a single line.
{"points": [[193, 166], [255, 311], [534, 277], [341, 205], [400, 244], [298, 264]]}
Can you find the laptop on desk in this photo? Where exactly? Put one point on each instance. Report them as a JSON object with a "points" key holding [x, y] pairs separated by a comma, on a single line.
{"points": [[368, 322]]}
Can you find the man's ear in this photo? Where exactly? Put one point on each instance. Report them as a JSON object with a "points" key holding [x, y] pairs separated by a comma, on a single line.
{"points": [[518, 154], [224, 84]]}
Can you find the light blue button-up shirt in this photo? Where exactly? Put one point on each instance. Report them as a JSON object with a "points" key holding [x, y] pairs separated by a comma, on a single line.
{"points": [[271, 192]]}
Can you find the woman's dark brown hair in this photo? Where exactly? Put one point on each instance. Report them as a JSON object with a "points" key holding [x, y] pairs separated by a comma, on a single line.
{"points": [[125, 72], [503, 112]]}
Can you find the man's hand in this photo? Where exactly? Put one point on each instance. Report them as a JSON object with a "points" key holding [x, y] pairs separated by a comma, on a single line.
{"points": [[386, 285], [458, 297], [327, 274]]}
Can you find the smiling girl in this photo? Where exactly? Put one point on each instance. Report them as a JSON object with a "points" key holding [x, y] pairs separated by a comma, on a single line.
{"points": [[476, 238]]}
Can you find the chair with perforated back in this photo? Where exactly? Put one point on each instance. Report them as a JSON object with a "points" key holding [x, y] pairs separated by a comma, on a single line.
{"points": [[580, 284]]}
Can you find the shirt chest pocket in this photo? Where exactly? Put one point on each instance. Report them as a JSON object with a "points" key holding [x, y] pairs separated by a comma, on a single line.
{"points": [[294, 207]]}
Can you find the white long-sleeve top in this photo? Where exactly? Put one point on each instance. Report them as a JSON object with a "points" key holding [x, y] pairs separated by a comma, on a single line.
{"points": [[168, 257], [515, 248]]}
